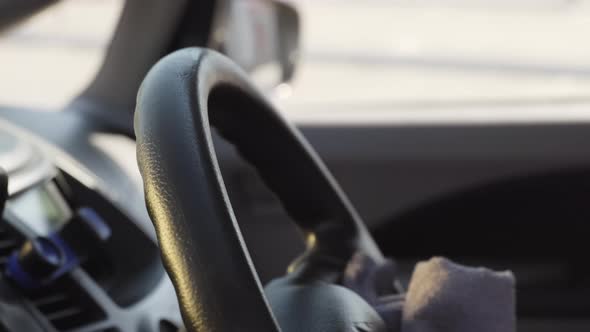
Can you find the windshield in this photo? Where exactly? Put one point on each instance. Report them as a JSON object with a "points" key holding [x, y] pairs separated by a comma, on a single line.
{"points": [[356, 54], [50, 58], [423, 54]]}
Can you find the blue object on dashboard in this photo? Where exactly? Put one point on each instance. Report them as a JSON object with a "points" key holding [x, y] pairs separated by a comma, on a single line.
{"points": [[91, 217], [42, 260], [16, 273]]}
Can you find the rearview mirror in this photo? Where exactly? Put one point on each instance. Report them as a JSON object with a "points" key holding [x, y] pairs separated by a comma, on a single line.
{"points": [[262, 36]]}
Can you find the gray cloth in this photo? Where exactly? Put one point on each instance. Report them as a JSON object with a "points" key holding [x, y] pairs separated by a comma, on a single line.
{"points": [[442, 296], [447, 297]]}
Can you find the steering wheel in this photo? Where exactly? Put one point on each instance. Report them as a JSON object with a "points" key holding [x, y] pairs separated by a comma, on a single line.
{"points": [[200, 241]]}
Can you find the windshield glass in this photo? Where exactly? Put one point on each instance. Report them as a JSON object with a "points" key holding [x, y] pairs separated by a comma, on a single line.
{"points": [[422, 54], [50, 58], [356, 54]]}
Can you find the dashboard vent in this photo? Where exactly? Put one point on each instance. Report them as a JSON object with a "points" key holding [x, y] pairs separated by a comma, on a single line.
{"points": [[66, 306]]}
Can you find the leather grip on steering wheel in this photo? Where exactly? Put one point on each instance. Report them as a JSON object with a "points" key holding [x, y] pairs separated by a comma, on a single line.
{"points": [[200, 240]]}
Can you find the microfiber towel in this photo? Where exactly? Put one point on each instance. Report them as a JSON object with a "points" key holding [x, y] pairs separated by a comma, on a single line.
{"points": [[447, 297]]}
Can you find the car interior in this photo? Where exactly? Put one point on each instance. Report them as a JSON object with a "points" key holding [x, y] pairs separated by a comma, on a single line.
{"points": [[200, 182]]}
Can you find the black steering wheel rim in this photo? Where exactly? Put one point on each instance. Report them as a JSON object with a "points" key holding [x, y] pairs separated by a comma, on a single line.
{"points": [[201, 244]]}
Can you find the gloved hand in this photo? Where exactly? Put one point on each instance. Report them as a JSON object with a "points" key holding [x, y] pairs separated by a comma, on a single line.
{"points": [[447, 297], [442, 296]]}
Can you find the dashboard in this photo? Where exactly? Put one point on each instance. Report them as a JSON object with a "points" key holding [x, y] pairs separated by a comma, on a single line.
{"points": [[398, 167], [115, 284]]}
